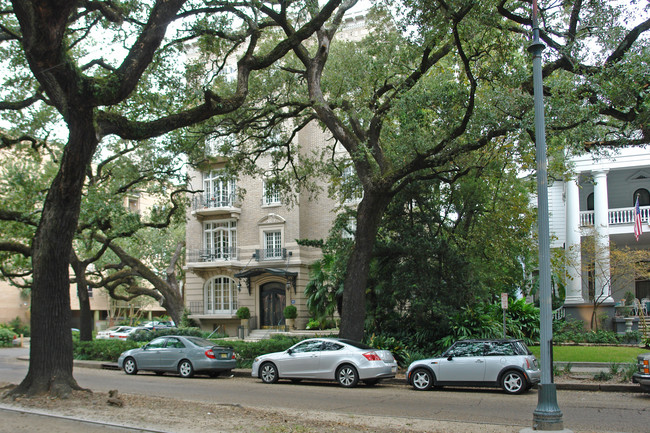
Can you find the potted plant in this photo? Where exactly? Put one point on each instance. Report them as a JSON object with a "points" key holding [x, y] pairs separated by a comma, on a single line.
{"points": [[244, 314], [290, 313]]}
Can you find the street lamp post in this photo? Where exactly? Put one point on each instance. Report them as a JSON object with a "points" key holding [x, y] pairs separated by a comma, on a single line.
{"points": [[547, 414]]}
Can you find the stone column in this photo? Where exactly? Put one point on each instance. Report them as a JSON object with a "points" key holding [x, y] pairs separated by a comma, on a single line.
{"points": [[572, 247], [603, 288]]}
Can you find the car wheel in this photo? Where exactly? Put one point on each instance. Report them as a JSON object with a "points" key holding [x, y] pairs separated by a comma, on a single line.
{"points": [[422, 379], [269, 373], [130, 367], [347, 376], [513, 382], [185, 369]]}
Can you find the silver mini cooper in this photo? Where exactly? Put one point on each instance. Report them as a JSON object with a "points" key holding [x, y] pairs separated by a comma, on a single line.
{"points": [[507, 364]]}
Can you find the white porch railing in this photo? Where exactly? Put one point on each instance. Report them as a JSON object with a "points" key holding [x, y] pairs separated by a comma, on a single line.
{"points": [[623, 215]]}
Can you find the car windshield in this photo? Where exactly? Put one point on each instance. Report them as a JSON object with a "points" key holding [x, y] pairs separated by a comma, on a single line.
{"points": [[201, 342]]}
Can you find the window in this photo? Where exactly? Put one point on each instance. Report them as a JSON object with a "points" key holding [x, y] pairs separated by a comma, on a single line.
{"points": [[271, 194], [644, 197], [219, 190], [469, 348], [308, 346], [273, 245], [495, 348], [219, 240], [175, 343], [220, 295], [351, 189]]}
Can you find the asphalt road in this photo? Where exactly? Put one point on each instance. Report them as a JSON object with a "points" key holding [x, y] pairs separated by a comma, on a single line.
{"points": [[582, 410]]}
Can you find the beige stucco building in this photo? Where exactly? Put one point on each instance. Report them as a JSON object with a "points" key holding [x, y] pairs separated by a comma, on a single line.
{"points": [[242, 249]]}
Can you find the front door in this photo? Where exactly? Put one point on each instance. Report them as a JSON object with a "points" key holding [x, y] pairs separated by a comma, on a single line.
{"points": [[272, 302]]}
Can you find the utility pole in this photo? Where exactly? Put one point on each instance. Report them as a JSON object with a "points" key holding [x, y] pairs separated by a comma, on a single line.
{"points": [[547, 415]]}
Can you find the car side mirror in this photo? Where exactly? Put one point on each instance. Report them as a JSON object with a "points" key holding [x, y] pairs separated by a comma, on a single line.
{"points": [[289, 351], [450, 357]]}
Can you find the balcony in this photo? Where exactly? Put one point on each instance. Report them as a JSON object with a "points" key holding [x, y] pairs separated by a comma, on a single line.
{"points": [[271, 254], [618, 216], [213, 204], [212, 255]]}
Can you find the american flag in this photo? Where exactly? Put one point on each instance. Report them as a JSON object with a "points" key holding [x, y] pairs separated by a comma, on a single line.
{"points": [[637, 220]]}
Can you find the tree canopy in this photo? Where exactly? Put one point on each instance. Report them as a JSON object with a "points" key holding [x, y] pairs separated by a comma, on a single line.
{"points": [[103, 69], [440, 80]]}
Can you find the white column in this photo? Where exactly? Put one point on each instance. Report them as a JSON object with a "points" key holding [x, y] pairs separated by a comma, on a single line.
{"points": [[572, 247], [601, 225]]}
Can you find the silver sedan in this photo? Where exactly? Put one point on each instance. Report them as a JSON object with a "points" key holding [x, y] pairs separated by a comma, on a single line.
{"points": [[179, 354], [345, 361]]}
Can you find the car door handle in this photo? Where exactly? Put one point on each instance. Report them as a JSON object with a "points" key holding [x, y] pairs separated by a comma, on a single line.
{"points": [[479, 361]]}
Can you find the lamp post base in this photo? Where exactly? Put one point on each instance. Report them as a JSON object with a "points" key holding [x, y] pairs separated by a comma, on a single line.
{"points": [[547, 415]]}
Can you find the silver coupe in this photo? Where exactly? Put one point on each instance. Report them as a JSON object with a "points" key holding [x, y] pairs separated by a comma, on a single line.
{"points": [[344, 361]]}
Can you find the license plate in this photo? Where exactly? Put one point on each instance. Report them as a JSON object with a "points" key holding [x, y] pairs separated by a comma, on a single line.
{"points": [[223, 355], [393, 369]]}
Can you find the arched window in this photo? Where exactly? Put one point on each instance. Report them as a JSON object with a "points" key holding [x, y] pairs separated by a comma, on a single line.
{"points": [[644, 197], [590, 201], [220, 295]]}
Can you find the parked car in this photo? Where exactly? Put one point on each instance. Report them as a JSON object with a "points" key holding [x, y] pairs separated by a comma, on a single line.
{"points": [[106, 333], [508, 364], [123, 333], [642, 375], [345, 361], [158, 324], [179, 354]]}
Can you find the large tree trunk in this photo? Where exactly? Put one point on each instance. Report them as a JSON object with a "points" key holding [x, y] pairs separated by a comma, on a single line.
{"points": [[50, 366], [369, 214]]}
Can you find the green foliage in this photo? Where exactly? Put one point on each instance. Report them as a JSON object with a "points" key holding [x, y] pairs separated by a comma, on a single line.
{"points": [[146, 335], [6, 337], [603, 376], [186, 322], [19, 327], [290, 312], [243, 313], [247, 351], [398, 349], [102, 350], [573, 331]]}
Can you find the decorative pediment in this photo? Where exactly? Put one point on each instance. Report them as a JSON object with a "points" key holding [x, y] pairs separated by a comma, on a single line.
{"points": [[271, 218], [640, 176]]}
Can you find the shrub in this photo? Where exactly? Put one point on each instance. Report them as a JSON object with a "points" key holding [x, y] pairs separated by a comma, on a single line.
{"points": [[19, 327], [186, 322], [603, 376], [290, 312], [101, 350], [6, 337], [244, 313], [397, 348], [248, 351]]}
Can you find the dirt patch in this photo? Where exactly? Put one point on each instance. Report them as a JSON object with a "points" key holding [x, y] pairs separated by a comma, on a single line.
{"points": [[180, 416]]}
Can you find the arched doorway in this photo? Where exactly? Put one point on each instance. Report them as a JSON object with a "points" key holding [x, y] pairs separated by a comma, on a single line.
{"points": [[273, 299]]}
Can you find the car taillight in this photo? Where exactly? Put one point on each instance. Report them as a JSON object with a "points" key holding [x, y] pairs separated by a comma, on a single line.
{"points": [[371, 356], [646, 366], [210, 354], [233, 356]]}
